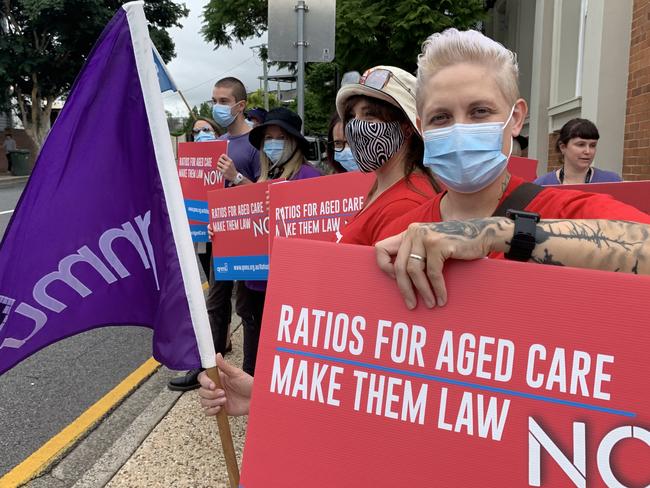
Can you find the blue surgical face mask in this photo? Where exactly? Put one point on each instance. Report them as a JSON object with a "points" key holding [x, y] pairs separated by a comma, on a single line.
{"points": [[346, 159], [273, 149], [467, 157], [204, 136], [222, 114]]}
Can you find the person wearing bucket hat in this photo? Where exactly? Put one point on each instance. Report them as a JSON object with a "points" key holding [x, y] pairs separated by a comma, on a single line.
{"points": [[378, 114], [282, 155], [282, 147]]}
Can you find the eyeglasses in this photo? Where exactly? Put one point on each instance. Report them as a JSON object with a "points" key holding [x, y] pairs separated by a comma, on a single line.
{"points": [[202, 129], [337, 146], [379, 78]]}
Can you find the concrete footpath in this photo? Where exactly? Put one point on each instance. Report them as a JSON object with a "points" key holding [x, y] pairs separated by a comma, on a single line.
{"points": [[169, 443], [7, 179], [154, 438]]}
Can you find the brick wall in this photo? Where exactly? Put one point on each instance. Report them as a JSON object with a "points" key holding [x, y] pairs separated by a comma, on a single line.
{"points": [[554, 155], [636, 154]]}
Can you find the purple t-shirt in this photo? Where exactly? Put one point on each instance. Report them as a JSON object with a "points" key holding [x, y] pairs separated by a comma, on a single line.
{"points": [[305, 171], [599, 176], [244, 155]]}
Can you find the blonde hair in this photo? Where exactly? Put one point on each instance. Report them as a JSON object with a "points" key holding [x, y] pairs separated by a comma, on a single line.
{"points": [[291, 167], [452, 46]]}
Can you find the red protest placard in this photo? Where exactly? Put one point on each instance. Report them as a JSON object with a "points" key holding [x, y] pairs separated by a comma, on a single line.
{"points": [[531, 375], [240, 247], [197, 171], [635, 193], [523, 167], [317, 208]]}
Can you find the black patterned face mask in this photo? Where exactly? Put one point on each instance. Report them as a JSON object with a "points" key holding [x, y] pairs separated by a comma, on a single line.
{"points": [[373, 143]]}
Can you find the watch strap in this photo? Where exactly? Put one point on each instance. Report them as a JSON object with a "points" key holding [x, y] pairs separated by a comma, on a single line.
{"points": [[524, 236]]}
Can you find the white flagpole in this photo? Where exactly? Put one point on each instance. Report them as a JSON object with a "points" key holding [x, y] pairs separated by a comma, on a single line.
{"points": [[142, 47]]}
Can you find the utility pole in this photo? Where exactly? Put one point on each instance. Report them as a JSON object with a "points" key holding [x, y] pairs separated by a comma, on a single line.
{"points": [[301, 8], [266, 85]]}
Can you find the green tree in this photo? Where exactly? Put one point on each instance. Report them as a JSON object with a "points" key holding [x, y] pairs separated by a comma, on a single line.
{"points": [[44, 43], [320, 94], [368, 33], [204, 110], [256, 99]]}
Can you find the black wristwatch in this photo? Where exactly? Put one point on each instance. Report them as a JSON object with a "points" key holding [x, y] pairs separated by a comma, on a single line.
{"points": [[523, 241]]}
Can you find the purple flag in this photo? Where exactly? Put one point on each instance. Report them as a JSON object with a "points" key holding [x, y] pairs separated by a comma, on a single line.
{"points": [[100, 236]]}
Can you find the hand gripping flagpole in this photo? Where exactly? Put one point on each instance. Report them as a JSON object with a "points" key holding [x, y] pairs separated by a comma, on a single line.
{"points": [[224, 432], [142, 48]]}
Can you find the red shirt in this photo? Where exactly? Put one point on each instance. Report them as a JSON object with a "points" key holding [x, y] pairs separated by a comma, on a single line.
{"points": [[550, 203], [366, 226]]}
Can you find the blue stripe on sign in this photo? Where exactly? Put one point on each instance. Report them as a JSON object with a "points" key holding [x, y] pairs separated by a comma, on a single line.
{"points": [[199, 233], [241, 268], [464, 384], [197, 210]]}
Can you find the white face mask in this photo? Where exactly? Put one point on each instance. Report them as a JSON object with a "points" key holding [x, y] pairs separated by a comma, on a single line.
{"points": [[467, 157]]}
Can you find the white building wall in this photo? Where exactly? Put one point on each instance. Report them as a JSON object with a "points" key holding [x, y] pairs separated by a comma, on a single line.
{"points": [[605, 72], [580, 55]]}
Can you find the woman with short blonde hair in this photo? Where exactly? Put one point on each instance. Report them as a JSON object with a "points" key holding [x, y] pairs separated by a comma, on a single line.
{"points": [[469, 111]]}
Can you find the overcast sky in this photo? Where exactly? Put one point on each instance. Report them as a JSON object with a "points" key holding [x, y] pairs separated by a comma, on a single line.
{"points": [[197, 66]]}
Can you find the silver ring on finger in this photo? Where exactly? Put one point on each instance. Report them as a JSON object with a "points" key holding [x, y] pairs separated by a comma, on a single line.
{"points": [[416, 256]]}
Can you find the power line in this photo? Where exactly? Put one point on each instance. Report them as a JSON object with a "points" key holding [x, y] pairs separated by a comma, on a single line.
{"points": [[185, 90]]}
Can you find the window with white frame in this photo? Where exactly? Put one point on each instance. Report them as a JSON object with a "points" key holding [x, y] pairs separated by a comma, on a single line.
{"points": [[568, 38]]}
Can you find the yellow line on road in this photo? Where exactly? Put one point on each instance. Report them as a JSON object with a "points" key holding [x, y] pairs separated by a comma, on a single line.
{"points": [[58, 445], [64, 440]]}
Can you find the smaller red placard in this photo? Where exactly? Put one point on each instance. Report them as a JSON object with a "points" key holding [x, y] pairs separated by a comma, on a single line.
{"points": [[635, 193], [241, 232], [198, 174], [317, 208], [523, 167]]}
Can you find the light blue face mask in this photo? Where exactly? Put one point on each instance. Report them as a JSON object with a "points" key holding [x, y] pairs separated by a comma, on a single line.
{"points": [[204, 136], [467, 157], [346, 159], [222, 114], [273, 149]]}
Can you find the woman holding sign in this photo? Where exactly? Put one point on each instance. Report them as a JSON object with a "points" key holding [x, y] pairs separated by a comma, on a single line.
{"points": [[282, 150], [282, 155], [378, 114], [469, 110]]}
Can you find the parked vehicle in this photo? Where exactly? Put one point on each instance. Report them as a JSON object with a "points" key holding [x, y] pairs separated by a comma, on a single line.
{"points": [[317, 154]]}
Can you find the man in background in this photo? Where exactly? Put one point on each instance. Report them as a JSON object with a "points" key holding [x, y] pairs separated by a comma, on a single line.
{"points": [[9, 146], [241, 166]]}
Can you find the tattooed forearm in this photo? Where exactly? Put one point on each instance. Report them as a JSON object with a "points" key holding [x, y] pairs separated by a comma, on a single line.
{"points": [[596, 244], [611, 245], [546, 259], [585, 230], [469, 229]]}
